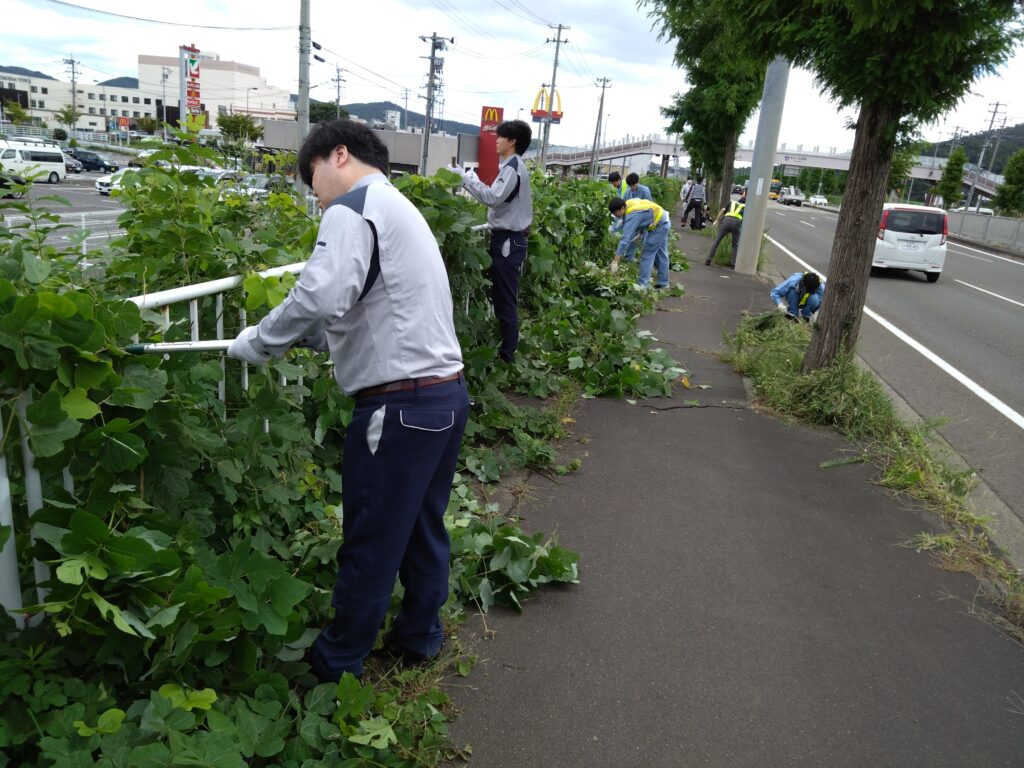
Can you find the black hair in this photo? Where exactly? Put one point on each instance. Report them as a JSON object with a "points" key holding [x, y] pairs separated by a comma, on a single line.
{"points": [[632, 179], [700, 179], [616, 204], [811, 281], [614, 177], [361, 142], [518, 131]]}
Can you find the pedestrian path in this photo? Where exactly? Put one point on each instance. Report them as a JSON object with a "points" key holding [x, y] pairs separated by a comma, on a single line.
{"points": [[739, 605]]}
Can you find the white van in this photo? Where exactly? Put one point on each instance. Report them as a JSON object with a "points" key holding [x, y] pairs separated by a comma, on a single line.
{"points": [[33, 159], [912, 237]]}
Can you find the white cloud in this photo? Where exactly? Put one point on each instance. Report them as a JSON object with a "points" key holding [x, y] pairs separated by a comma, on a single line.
{"points": [[499, 57]]}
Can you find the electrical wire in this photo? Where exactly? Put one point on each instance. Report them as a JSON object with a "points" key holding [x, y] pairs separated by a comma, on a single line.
{"points": [[170, 23]]}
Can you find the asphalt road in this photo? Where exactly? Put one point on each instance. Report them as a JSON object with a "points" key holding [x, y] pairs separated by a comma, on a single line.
{"points": [[973, 319], [79, 190]]}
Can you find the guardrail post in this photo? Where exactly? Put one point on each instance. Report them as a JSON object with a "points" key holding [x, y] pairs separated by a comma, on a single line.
{"points": [[10, 584], [33, 492]]}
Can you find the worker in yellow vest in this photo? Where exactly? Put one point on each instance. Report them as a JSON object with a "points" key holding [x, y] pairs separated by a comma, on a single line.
{"points": [[729, 223], [647, 217], [620, 187]]}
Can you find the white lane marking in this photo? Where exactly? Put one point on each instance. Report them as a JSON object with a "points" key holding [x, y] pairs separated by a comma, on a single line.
{"points": [[1018, 262], [969, 256], [1019, 304], [806, 224], [963, 378]]}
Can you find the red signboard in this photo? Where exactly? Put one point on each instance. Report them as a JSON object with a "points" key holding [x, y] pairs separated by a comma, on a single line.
{"points": [[487, 155]]}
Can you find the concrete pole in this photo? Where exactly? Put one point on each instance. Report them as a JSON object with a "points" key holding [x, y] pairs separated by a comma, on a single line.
{"points": [[551, 101], [302, 108], [769, 122], [597, 130], [428, 118]]}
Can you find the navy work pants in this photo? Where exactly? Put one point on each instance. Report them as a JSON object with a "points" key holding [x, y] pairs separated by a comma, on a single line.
{"points": [[508, 252], [399, 460]]}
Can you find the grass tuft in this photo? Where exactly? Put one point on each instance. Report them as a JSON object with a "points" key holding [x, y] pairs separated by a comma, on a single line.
{"points": [[769, 350]]}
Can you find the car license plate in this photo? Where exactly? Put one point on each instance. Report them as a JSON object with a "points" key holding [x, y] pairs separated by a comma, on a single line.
{"points": [[909, 245]]}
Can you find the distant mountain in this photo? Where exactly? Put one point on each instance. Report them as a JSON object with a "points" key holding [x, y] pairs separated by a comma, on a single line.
{"points": [[25, 72], [375, 111], [1010, 139]]}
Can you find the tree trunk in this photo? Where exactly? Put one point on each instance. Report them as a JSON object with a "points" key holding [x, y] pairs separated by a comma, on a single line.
{"points": [[853, 248], [728, 165]]}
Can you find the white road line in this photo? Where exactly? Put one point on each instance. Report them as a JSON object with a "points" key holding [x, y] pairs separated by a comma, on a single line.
{"points": [[969, 256], [1018, 262], [806, 223], [963, 378], [1019, 304]]}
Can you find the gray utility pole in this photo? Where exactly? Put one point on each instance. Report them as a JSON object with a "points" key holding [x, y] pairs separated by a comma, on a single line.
{"points": [[604, 82], [302, 112], [981, 160], [999, 138], [337, 80], [773, 97], [405, 117], [433, 83], [73, 67], [551, 101], [165, 73]]}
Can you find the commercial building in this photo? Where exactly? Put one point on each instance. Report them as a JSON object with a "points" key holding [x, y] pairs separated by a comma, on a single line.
{"points": [[226, 87]]}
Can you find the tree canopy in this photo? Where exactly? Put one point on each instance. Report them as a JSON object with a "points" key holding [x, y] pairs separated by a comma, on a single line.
{"points": [[239, 127], [950, 186], [1009, 199]]}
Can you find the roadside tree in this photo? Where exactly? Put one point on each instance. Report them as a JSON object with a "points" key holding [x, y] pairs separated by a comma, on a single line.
{"points": [[16, 113], [1009, 198], [950, 186], [903, 160], [146, 124], [68, 115], [900, 69], [321, 111], [725, 85], [239, 127]]}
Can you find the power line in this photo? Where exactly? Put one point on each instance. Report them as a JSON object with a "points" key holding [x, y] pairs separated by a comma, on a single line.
{"points": [[169, 23]]}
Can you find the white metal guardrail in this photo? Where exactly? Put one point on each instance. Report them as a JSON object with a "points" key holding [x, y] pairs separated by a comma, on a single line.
{"points": [[162, 301], [100, 227]]}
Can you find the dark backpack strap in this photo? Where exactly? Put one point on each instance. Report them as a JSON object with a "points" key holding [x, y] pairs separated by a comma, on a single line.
{"points": [[371, 276]]}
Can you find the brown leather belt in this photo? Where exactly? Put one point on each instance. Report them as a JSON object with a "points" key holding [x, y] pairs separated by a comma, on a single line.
{"points": [[406, 384]]}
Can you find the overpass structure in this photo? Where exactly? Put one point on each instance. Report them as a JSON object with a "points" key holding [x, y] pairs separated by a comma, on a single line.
{"points": [[928, 168]]}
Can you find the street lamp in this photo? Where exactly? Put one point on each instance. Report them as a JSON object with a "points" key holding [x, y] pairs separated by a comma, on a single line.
{"points": [[250, 88]]}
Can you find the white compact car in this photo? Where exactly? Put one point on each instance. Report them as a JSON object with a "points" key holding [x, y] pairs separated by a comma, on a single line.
{"points": [[912, 237], [817, 200]]}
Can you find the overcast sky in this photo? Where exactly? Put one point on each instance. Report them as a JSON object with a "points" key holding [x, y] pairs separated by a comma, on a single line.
{"points": [[499, 58]]}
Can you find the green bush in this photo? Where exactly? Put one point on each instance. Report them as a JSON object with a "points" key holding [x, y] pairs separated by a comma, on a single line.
{"points": [[191, 540]]}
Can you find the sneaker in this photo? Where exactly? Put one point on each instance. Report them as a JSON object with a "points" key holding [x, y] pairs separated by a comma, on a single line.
{"points": [[707, 262]]}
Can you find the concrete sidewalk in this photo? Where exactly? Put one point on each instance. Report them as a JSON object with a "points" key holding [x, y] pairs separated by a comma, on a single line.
{"points": [[739, 605]]}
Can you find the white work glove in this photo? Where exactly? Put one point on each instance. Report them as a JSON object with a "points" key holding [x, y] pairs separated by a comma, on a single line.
{"points": [[456, 169], [781, 306], [615, 265], [247, 347]]}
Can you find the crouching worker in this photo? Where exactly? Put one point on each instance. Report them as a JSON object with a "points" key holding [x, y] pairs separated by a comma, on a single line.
{"points": [[799, 296], [375, 295], [651, 220]]}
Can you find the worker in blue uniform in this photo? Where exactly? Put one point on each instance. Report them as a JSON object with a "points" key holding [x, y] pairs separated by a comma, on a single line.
{"points": [[799, 295], [375, 296], [650, 219]]}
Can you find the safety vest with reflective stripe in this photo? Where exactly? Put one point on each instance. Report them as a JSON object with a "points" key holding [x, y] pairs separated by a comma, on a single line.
{"points": [[635, 204], [623, 189], [736, 209]]}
